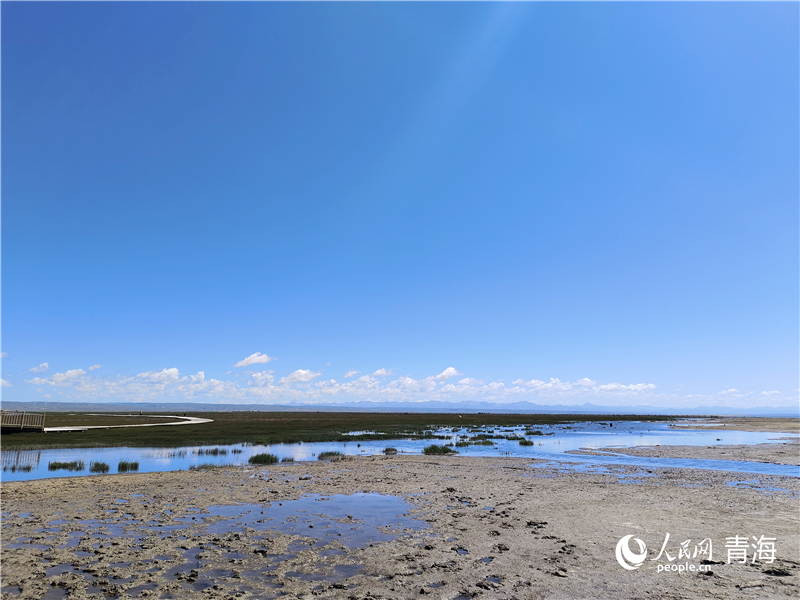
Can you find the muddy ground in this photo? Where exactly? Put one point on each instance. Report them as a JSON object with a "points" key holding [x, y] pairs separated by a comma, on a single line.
{"points": [[483, 528], [787, 453]]}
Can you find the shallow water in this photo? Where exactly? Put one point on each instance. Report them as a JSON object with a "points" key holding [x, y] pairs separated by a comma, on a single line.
{"points": [[552, 445], [354, 521], [330, 523]]}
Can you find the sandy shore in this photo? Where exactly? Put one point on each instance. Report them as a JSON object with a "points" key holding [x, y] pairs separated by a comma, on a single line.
{"points": [[491, 528], [787, 453], [775, 424]]}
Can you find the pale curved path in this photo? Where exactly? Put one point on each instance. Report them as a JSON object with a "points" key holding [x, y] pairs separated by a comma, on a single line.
{"points": [[183, 421]]}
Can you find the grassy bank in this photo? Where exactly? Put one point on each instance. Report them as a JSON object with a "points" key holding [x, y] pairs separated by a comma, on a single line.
{"points": [[280, 427]]}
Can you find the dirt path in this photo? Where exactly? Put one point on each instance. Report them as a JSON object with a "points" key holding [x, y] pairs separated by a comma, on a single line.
{"points": [[183, 421]]}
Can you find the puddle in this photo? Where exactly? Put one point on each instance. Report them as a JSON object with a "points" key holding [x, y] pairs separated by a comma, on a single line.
{"points": [[325, 518], [755, 484], [487, 559]]}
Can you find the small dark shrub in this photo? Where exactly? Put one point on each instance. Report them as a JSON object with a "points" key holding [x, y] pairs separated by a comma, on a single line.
{"points": [[434, 449], [211, 452], [263, 459], [98, 467], [525, 443], [287, 459], [333, 455], [390, 451], [75, 465], [203, 467]]}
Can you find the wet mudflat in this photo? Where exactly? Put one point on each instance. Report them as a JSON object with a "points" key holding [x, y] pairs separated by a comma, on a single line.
{"points": [[395, 527]]}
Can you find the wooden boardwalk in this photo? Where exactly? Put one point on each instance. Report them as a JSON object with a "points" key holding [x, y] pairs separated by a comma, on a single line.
{"points": [[13, 420]]}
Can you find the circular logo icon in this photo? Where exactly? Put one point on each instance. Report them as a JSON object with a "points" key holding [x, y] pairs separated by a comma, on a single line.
{"points": [[627, 559]]}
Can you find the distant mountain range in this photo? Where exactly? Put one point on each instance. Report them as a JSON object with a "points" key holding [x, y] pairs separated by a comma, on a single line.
{"points": [[429, 407]]}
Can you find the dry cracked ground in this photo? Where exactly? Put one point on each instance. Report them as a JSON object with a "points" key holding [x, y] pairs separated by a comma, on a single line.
{"points": [[395, 527]]}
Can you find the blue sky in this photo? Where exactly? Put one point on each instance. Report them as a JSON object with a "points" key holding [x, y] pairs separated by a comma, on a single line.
{"points": [[555, 203]]}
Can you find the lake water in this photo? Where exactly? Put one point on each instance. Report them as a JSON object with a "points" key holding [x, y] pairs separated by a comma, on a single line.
{"points": [[552, 446]]}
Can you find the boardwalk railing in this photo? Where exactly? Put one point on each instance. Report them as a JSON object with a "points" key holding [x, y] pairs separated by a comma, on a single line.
{"points": [[21, 420]]}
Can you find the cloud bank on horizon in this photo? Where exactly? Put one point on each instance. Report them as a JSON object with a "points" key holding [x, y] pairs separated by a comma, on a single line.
{"points": [[308, 387]]}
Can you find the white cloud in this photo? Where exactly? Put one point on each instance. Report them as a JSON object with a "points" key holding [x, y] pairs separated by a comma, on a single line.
{"points": [[299, 376], [262, 379], [47, 396], [254, 359], [619, 387], [4, 383], [3, 354], [303, 386], [41, 368], [93, 367], [161, 377], [447, 374]]}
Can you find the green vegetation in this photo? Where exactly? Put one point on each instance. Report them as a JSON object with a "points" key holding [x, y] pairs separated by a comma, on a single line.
{"points": [[287, 459], [212, 452], [333, 455], [205, 467], [434, 449], [525, 443], [98, 467], [483, 443], [389, 451], [124, 466], [253, 427], [263, 459], [75, 465], [21, 468]]}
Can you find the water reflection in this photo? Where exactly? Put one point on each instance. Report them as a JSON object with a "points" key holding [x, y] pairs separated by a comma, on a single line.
{"points": [[549, 443]]}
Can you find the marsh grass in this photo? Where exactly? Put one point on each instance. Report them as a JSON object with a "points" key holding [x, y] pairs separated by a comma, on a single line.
{"points": [[75, 465], [525, 443], [332, 455], [205, 467], [287, 459], [434, 449], [124, 466], [390, 451], [211, 452], [263, 459], [98, 467], [253, 427], [21, 468]]}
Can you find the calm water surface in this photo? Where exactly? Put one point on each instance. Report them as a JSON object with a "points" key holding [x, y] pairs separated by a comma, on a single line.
{"points": [[552, 446]]}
